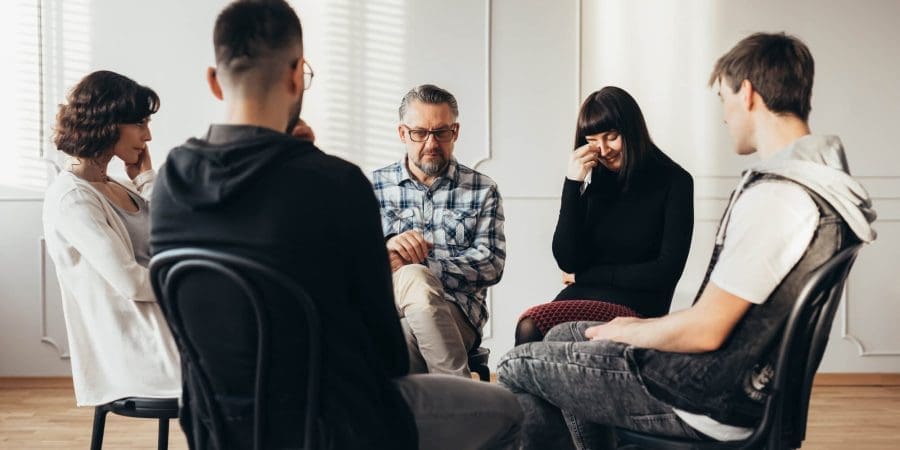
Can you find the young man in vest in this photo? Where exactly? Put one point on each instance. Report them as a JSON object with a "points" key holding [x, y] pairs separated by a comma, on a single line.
{"points": [[703, 372]]}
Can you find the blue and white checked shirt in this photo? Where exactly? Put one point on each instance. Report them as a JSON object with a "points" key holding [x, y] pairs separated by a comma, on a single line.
{"points": [[461, 213]]}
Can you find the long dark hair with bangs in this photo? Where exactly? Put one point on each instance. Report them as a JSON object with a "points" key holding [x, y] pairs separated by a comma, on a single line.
{"points": [[611, 108]]}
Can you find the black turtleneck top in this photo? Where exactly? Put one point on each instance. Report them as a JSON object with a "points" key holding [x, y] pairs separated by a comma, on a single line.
{"points": [[626, 246]]}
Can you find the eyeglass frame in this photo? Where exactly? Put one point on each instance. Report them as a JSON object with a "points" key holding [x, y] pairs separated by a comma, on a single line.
{"points": [[454, 129], [307, 76]]}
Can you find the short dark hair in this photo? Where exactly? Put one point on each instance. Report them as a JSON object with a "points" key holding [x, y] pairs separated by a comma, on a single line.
{"points": [[611, 108], [779, 66], [87, 126], [430, 95], [251, 36]]}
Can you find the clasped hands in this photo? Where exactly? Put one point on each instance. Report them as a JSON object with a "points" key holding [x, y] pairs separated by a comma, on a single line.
{"points": [[409, 247]]}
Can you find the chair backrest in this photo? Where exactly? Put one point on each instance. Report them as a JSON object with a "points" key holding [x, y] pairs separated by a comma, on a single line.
{"points": [[224, 311], [800, 351]]}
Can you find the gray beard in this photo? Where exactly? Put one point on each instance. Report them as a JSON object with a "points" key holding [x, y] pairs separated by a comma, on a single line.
{"points": [[433, 169]]}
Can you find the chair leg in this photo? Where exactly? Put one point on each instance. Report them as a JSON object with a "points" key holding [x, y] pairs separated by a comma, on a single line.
{"points": [[484, 373], [99, 425], [163, 439]]}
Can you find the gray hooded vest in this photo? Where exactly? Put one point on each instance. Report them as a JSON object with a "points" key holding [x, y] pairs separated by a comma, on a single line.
{"points": [[729, 384]]}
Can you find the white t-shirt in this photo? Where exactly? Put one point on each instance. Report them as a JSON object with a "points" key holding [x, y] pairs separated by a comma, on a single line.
{"points": [[771, 226]]}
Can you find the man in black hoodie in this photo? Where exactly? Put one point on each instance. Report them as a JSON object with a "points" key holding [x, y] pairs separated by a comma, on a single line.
{"points": [[250, 189]]}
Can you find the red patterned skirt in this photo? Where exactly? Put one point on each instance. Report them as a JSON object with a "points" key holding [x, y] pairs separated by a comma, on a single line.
{"points": [[548, 315]]}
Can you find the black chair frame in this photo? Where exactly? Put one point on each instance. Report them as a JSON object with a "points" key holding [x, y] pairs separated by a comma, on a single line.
{"points": [[168, 268], [147, 408], [478, 363], [807, 328]]}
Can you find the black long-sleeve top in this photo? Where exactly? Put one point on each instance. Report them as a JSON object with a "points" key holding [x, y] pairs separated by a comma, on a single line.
{"points": [[627, 247]]}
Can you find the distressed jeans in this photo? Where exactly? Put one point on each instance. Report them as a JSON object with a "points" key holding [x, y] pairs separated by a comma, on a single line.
{"points": [[573, 392]]}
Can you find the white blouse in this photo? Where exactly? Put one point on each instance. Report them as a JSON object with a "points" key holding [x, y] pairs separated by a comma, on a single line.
{"points": [[119, 341]]}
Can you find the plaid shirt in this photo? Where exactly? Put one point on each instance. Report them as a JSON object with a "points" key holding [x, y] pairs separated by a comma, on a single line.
{"points": [[462, 215]]}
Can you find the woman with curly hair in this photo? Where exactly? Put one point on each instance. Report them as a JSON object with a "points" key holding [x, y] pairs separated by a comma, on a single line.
{"points": [[97, 234], [625, 223]]}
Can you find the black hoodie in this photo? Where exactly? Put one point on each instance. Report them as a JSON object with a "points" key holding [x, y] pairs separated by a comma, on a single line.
{"points": [[282, 201]]}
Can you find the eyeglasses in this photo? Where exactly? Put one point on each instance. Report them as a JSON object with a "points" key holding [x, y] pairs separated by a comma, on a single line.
{"points": [[420, 135], [307, 75]]}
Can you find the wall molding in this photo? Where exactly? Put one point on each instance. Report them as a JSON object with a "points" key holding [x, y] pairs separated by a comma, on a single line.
{"points": [[488, 108], [579, 54], [847, 335], [487, 331], [42, 294]]}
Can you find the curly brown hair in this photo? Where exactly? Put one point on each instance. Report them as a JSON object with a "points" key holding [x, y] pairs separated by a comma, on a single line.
{"points": [[88, 125]]}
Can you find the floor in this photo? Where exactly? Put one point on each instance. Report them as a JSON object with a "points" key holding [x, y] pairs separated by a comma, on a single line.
{"points": [[841, 417]]}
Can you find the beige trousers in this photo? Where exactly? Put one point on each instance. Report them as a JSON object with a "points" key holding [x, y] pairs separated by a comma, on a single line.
{"points": [[438, 335]]}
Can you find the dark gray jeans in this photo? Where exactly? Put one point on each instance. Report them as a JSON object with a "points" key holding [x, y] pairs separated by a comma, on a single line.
{"points": [[454, 413], [573, 390]]}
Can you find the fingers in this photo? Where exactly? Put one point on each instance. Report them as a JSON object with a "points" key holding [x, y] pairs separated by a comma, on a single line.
{"points": [[396, 261], [583, 160], [583, 150], [587, 155], [410, 245], [303, 131]]}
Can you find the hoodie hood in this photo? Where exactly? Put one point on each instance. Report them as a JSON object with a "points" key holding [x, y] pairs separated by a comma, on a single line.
{"points": [[820, 164], [205, 172]]}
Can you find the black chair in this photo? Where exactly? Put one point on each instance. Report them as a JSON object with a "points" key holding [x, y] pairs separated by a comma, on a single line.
{"points": [[148, 408], [188, 279], [783, 424], [478, 363]]}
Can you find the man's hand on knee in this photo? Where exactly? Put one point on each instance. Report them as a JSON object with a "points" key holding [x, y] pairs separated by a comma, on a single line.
{"points": [[410, 246]]}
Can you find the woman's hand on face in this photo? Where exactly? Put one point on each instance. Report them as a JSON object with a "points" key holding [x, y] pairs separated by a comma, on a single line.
{"points": [[581, 162], [140, 166]]}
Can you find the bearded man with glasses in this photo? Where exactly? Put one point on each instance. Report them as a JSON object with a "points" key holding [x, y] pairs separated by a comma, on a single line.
{"points": [[443, 227]]}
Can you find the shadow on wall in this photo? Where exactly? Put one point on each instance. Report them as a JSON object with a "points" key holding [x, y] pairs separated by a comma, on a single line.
{"points": [[364, 79]]}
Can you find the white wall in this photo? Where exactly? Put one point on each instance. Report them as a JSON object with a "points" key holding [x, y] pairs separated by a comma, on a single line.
{"points": [[520, 69]]}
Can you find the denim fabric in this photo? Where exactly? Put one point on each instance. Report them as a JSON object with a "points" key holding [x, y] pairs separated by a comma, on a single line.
{"points": [[573, 390], [730, 384]]}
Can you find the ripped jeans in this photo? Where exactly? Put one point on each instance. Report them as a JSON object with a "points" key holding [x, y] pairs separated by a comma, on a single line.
{"points": [[573, 392]]}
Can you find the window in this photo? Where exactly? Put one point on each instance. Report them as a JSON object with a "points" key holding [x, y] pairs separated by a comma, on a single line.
{"points": [[47, 44]]}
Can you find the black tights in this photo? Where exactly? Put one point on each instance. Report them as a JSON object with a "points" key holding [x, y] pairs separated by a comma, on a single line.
{"points": [[527, 331]]}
